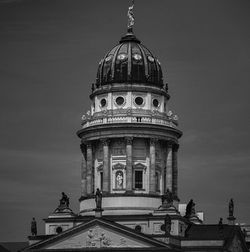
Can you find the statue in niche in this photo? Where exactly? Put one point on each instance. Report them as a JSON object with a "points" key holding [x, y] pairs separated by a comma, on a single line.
{"points": [[98, 199], [231, 208], [190, 210], [64, 201], [119, 180]]}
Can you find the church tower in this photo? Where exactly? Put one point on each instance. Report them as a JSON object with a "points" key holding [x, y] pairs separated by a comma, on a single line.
{"points": [[129, 190], [129, 137]]}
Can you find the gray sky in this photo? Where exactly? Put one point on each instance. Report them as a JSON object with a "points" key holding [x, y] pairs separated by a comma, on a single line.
{"points": [[49, 53]]}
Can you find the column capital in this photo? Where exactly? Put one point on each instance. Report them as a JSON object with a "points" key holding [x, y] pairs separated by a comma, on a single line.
{"points": [[170, 144], [88, 144], [129, 140], [176, 147], [105, 141], [82, 147], [153, 141]]}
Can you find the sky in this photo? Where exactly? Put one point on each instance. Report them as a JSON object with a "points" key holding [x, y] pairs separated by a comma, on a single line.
{"points": [[49, 53]]}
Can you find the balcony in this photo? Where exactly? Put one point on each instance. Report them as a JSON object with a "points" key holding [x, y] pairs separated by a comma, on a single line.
{"points": [[129, 116]]}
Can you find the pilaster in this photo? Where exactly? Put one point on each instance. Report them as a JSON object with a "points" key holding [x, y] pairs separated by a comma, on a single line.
{"points": [[169, 170], [175, 170], [129, 171], [83, 171], [106, 168], [89, 168], [152, 187]]}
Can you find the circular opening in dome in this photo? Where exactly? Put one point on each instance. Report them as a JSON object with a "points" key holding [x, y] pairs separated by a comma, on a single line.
{"points": [[138, 228], [156, 103], [108, 58], [139, 100], [122, 56], [137, 57], [151, 59], [103, 102], [119, 100]]}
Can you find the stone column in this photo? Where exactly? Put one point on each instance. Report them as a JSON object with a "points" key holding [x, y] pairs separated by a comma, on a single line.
{"points": [[129, 169], [83, 171], [106, 168], [89, 168], [169, 170], [152, 188], [175, 169]]}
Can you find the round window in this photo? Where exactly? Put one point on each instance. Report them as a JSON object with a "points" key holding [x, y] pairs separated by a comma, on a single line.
{"points": [[119, 100], [138, 228], [156, 103], [163, 227], [59, 230], [122, 56], [137, 57], [151, 59], [103, 102], [139, 100], [108, 58]]}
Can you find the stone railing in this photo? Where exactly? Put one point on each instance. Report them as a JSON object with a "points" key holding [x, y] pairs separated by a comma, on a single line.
{"points": [[130, 116]]}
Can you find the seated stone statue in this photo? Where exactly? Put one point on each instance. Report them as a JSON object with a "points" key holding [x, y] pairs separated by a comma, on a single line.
{"points": [[190, 210], [64, 201], [167, 199]]}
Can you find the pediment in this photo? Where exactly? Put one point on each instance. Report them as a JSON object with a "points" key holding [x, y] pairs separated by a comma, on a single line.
{"points": [[140, 166], [98, 233], [119, 166]]}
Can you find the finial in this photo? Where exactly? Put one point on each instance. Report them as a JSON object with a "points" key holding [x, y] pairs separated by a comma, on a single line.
{"points": [[131, 19]]}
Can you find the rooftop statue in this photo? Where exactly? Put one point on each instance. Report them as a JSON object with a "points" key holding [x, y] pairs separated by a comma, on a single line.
{"points": [[33, 227], [131, 19], [64, 201], [190, 210], [167, 199], [231, 208], [98, 199]]}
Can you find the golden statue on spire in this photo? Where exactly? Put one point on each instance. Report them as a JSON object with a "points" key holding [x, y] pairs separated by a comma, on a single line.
{"points": [[131, 19]]}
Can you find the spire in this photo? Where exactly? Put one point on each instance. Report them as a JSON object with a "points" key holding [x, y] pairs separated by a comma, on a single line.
{"points": [[131, 19]]}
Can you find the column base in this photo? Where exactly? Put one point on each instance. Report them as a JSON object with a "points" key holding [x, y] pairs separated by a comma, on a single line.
{"points": [[231, 220], [98, 212]]}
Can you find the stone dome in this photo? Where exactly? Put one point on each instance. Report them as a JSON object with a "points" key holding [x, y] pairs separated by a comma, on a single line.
{"points": [[129, 62]]}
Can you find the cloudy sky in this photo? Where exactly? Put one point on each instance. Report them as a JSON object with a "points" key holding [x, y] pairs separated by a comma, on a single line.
{"points": [[49, 53]]}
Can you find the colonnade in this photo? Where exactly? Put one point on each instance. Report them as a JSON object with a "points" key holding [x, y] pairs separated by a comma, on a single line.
{"points": [[169, 176]]}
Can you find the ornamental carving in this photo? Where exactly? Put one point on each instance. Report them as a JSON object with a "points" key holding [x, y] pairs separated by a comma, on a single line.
{"points": [[99, 167], [119, 166], [153, 141], [97, 238], [105, 141], [129, 140]]}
